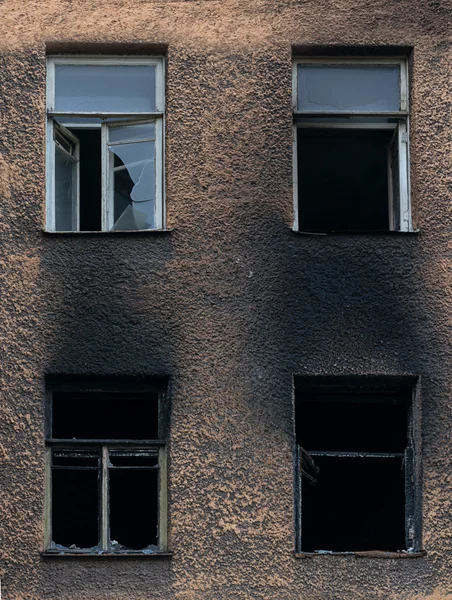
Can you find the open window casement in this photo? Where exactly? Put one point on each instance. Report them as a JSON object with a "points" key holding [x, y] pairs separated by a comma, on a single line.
{"points": [[351, 167], [66, 153], [131, 183], [105, 119]]}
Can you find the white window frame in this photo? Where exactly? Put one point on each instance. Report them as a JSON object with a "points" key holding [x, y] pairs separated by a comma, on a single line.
{"points": [[158, 117], [402, 126]]}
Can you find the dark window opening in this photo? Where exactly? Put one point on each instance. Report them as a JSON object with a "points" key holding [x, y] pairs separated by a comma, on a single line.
{"points": [[105, 451], [133, 508], [90, 178], [344, 179], [105, 415], [355, 471], [75, 508]]}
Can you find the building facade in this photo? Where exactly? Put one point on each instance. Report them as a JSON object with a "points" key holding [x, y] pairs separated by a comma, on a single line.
{"points": [[228, 320]]}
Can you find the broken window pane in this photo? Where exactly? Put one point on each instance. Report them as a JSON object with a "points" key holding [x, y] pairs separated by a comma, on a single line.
{"points": [[65, 190], [103, 415], [134, 185], [75, 458], [133, 508], [121, 458], [348, 88], [105, 88], [75, 508]]}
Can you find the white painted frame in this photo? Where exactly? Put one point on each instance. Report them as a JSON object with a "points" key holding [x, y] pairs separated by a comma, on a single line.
{"points": [[402, 117], [157, 116]]}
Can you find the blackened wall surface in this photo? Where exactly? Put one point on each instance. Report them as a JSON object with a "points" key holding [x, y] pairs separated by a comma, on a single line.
{"points": [[231, 304]]}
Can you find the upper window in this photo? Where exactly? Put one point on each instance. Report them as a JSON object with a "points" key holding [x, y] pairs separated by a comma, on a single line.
{"points": [[351, 166], [106, 470], [105, 144]]}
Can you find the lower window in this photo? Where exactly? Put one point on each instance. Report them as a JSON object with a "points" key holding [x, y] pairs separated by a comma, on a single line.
{"points": [[356, 465], [106, 470]]}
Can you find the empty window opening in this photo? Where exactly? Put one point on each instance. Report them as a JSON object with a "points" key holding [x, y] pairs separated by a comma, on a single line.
{"points": [[75, 501], [344, 181], [355, 462], [105, 415], [106, 460], [133, 507], [90, 178]]}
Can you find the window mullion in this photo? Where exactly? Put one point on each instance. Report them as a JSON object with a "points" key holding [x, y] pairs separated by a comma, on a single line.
{"points": [[105, 501]]}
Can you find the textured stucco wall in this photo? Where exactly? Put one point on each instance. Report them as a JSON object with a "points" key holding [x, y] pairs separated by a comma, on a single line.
{"points": [[231, 303]]}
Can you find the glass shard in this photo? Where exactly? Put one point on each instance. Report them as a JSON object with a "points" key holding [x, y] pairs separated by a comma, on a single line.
{"points": [[134, 185]]}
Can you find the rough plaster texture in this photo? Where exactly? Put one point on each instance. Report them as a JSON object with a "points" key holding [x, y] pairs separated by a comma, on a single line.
{"points": [[231, 304]]}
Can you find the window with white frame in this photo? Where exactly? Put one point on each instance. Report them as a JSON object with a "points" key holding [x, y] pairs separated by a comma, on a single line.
{"points": [[351, 156], [105, 144]]}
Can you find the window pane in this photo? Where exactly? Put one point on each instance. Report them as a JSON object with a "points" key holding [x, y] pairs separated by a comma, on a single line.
{"points": [[133, 509], [105, 88], [65, 191], [75, 508], [134, 186], [348, 88], [144, 131]]}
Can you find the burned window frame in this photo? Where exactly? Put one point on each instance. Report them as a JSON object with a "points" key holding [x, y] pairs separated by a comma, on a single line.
{"points": [[400, 219], [106, 201], [75, 447], [306, 468]]}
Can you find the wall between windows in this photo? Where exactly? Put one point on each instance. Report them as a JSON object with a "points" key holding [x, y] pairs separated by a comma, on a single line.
{"points": [[231, 304]]}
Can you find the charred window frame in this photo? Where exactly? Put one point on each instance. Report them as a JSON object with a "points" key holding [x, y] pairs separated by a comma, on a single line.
{"points": [[105, 144], [106, 469], [351, 160], [357, 467]]}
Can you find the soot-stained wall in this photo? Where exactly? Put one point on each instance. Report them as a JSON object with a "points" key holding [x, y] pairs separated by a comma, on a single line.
{"points": [[231, 303]]}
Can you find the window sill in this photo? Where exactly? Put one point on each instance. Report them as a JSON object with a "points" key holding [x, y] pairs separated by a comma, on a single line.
{"points": [[414, 232], [124, 232], [89, 554], [363, 554]]}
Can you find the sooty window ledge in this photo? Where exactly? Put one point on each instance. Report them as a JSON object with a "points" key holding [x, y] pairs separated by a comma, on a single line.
{"points": [[129, 232], [414, 232], [124, 555], [363, 554]]}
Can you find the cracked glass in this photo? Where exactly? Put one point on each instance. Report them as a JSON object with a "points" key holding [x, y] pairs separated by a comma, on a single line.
{"points": [[132, 152]]}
